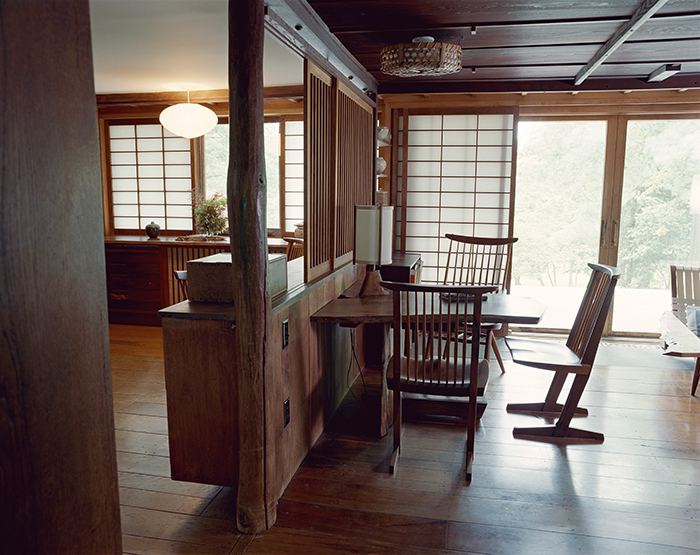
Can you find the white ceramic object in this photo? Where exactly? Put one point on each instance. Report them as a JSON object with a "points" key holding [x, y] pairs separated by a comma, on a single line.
{"points": [[381, 165], [383, 134]]}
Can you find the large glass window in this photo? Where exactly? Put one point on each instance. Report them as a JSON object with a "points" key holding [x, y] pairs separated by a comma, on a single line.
{"points": [[558, 202], [660, 218], [216, 152]]}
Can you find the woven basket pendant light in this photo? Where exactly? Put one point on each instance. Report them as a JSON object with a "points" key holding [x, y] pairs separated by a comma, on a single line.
{"points": [[422, 57]]}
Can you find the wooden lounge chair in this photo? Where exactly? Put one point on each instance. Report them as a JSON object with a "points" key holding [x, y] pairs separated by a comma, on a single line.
{"points": [[422, 323], [480, 261], [575, 357]]}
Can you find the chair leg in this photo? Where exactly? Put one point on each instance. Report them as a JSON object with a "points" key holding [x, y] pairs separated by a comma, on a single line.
{"points": [[398, 424], [561, 430], [491, 344], [696, 377], [550, 405]]}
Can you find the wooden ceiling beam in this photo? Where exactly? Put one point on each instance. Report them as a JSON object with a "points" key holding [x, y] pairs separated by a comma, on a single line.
{"points": [[299, 27], [643, 14]]}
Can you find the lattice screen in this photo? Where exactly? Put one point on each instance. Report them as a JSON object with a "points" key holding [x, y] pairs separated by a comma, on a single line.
{"points": [[339, 154]]}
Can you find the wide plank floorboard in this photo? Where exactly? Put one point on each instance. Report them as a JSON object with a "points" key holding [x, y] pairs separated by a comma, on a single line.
{"points": [[636, 493]]}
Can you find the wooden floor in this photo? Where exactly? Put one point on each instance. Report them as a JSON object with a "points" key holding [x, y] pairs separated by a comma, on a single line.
{"points": [[637, 493]]}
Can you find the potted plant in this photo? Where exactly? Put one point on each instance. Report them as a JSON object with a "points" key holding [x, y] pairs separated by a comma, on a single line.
{"points": [[210, 214]]}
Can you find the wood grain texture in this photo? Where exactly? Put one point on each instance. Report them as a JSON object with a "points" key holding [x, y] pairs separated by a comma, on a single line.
{"points": [[246, 193], [58, 465], [202, 398], [636, 493]]}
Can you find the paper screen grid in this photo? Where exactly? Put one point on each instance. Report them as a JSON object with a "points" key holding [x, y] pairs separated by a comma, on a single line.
{"points": [[458, 179]]}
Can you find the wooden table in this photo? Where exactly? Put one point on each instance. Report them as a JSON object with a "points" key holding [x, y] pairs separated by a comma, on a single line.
{"points": [[350, 311], [497, 309], [276, 245], [679, 341]]}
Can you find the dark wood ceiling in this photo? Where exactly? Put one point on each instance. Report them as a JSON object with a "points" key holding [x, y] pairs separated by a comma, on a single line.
{"points": [[512, 45]]}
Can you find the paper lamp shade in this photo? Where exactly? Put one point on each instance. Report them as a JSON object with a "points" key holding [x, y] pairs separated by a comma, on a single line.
{"points": [[373, 234], [188, 120]]}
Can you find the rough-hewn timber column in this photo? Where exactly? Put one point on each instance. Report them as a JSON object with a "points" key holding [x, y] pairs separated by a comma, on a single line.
{"points": [[246, 205], [58, 464]]}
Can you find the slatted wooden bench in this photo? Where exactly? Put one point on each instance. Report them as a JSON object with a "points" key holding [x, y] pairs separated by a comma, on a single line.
{"points": [[677, 339]]}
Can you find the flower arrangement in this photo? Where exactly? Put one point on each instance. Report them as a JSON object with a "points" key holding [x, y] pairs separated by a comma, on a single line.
{"points": [[210, 214]]}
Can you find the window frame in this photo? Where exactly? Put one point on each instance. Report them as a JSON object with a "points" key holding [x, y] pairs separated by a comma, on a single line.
{"points": [[196, 165], [109, 183]]}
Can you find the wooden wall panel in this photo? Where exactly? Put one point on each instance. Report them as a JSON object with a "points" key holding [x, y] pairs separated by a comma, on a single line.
{"points": [[59, 490], [202, 400], [312, 372]]}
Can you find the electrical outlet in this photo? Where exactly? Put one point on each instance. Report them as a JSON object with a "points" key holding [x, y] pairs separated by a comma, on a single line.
{"points": [[286, 412], [285, 333]]}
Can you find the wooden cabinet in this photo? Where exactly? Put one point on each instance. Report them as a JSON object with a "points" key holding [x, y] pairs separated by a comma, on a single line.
{"points": [[133, 284], [140, 278], [202, 398]]}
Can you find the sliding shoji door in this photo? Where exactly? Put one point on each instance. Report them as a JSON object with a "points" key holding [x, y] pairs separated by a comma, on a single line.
{"points": [[455, 174], [339, 169]]}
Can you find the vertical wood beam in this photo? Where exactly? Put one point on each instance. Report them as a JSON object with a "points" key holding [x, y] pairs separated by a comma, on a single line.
{"points": [[246, 204], [58, 470]]}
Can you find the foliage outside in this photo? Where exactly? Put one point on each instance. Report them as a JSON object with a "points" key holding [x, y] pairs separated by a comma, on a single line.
{"points": [[216, 155], [559, 192], [210, 214]]}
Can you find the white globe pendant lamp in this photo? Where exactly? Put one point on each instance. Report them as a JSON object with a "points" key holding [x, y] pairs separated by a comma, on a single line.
{"points": [[188, 120]]}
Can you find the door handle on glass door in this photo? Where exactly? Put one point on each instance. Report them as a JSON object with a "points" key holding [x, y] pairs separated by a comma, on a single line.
{"points": [[603, 232]]}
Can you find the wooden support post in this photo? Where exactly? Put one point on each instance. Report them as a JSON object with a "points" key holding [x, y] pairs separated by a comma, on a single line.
{"points": [[58, 465], [246, 206]]}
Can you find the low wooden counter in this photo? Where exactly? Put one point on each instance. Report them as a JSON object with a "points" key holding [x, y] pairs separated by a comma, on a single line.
{"points": [[140, 279], [306, 378]]}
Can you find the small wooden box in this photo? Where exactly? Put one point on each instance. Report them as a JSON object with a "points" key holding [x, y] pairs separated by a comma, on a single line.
{"points": [[209, 278]]}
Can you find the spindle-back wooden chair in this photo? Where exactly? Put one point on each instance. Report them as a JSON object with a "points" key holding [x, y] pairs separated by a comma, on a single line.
{"points": [[425, 321], [480, 261]]}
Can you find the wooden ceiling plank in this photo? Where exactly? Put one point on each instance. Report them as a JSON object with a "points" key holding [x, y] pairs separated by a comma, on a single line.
{"points": [[643, 13]]}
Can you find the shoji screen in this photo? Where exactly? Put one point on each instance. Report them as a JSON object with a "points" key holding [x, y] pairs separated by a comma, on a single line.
{"points": [[150, 176], [455, 175], [292, 172]]}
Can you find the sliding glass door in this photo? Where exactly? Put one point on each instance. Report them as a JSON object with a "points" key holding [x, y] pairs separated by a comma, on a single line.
{"points": [[558, 201], [623, 191], [659, 221]]}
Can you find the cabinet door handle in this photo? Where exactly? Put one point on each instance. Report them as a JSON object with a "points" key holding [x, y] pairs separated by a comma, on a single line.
{"points": [[603, 232]]}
